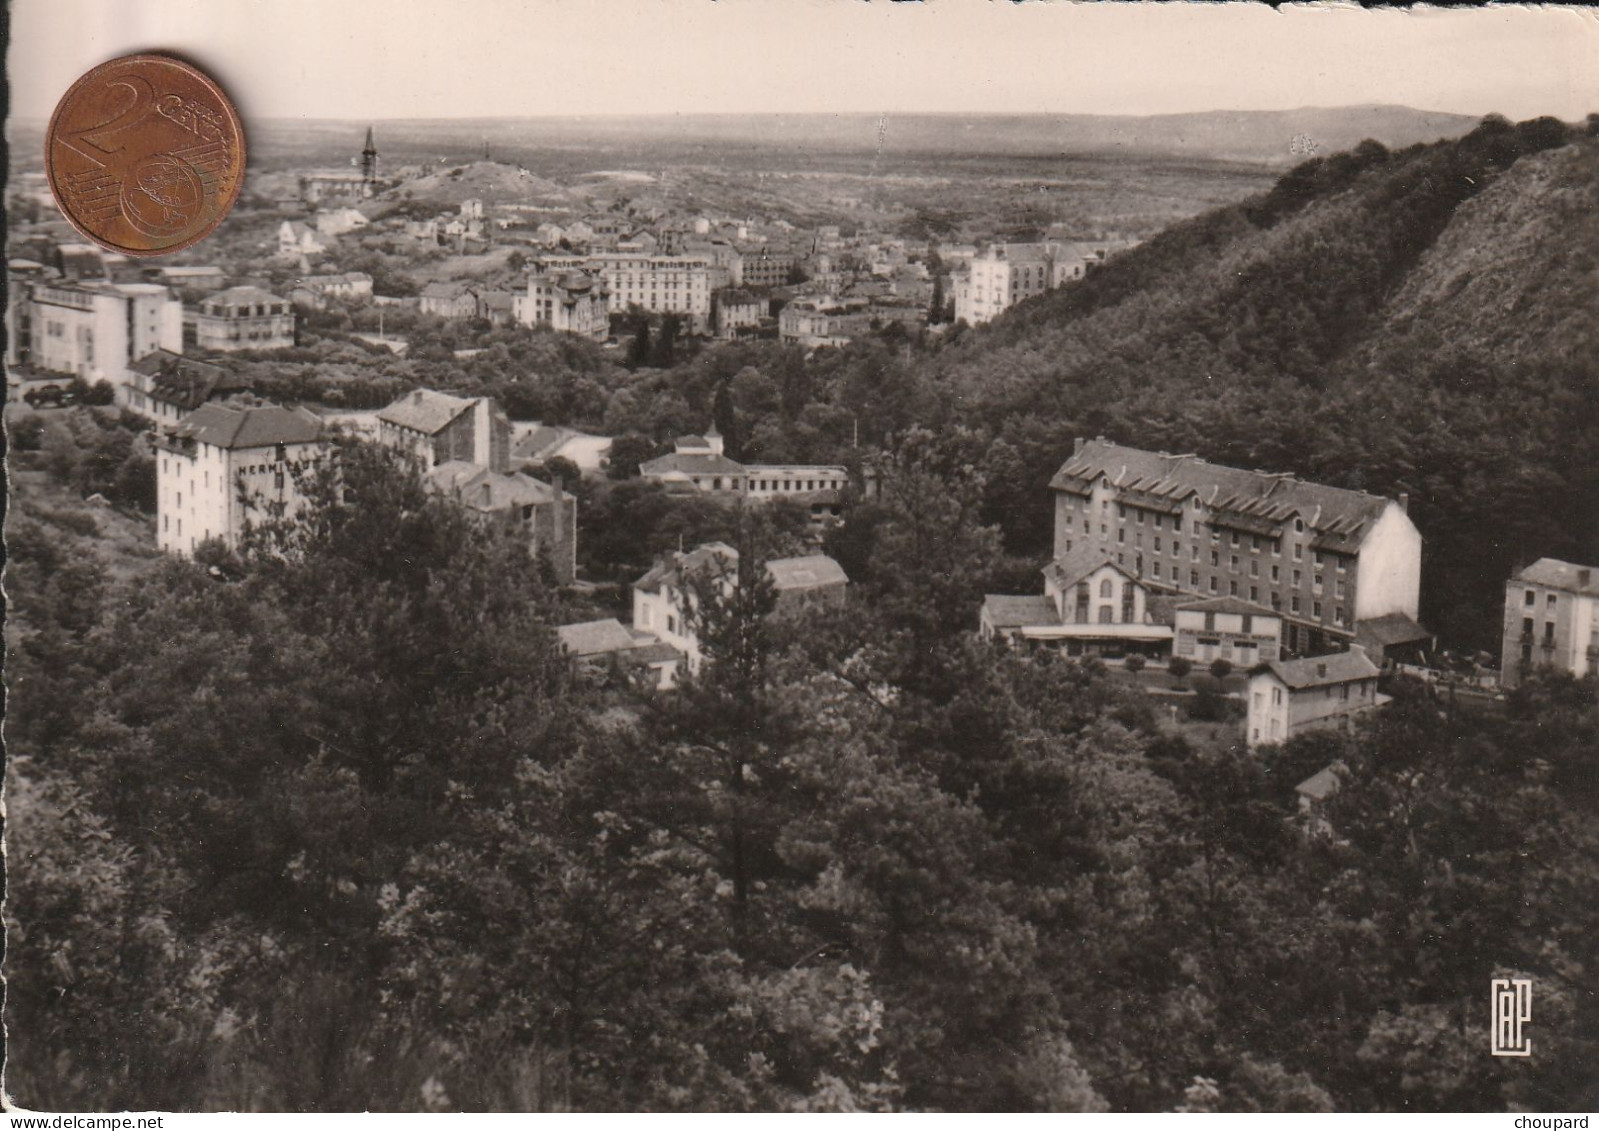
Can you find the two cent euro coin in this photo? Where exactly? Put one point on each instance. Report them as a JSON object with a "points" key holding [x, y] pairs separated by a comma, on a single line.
{"points": [[145, 155]]}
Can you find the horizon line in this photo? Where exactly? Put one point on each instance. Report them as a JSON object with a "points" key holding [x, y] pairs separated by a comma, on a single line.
{"points": [[867, 113]]}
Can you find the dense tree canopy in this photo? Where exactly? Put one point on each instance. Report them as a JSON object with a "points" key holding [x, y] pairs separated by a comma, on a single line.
{"points": [[337, 827]]}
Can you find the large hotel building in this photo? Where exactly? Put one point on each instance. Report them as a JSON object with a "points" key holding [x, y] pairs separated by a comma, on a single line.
{"points": [[1324, 558]]}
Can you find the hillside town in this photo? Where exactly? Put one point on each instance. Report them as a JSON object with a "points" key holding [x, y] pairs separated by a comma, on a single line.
{"points": [[1159, 559], [514, 576]]}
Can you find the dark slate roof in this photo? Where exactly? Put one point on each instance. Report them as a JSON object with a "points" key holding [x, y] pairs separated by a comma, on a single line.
{"points": [[1322, 671], [425, 411], [467, 481], [1003, 611], [1557, 574], [670, 569], [815, 571], [249, 426], [1256, 502], [1390, 629], [185, 382], [1161, 608], [534, 443]]}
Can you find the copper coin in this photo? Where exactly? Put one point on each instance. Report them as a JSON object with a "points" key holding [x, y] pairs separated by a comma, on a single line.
{"points": [[145, 155]]}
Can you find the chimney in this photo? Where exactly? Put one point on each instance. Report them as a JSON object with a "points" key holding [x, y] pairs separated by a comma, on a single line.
{"points": [[1404, 501], [488, 493], [482, 440], [1077, 447], [416, 397], [558, 516], [715, 439], [1583, 576], [1321, 671]]}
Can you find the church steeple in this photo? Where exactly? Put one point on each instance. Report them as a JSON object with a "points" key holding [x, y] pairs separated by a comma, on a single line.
{"points": [[369, 159]]}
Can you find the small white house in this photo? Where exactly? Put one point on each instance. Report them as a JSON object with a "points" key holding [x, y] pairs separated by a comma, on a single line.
{"points": [[1289, 697]]}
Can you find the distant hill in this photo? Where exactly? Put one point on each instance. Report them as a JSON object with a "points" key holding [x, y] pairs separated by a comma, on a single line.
{"points": [[1274, 137], [1423, 321], [488, 181]]}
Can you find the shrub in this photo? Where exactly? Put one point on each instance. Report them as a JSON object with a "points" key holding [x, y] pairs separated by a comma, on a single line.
{"points": [[1134, 663], [1209, 706], [1220, 668], [27, 434], [1180, 667]]}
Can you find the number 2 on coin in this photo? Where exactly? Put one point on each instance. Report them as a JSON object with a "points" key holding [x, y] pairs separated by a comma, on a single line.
{"points": [[99, 136]]}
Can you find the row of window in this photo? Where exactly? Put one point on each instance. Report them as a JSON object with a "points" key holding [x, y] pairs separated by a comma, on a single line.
{"points": [[1340, 616], [1236, 539], [249, 310]]}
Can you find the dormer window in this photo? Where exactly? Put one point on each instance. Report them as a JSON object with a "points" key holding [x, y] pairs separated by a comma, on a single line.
{"points": [[1299, 526]]}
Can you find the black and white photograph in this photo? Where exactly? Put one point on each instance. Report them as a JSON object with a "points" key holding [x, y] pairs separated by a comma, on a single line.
{"points": [[676, 556]]}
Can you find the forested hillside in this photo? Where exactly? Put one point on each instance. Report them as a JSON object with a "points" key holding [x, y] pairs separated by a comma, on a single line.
{"points": [[344, 831], [338, 827], [1421, 321]]}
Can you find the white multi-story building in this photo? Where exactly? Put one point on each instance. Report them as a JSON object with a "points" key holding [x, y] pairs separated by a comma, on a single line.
{"points": [[244, 318], [1005, 274], [573, 301], [1551, 620], [94, 330], [225, 466], [660, 284]]}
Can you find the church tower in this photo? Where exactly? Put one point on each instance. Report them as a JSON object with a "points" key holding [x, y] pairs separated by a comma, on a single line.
{"points": [[369, 159]]}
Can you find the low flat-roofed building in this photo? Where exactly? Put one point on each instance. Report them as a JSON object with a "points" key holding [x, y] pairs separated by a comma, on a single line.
{"points": [[1226, 628]]}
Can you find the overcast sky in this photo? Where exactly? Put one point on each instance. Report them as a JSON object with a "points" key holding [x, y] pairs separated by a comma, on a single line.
{"points": [[373, 59]]}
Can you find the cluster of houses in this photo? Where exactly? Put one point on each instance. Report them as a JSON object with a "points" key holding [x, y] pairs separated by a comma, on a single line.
{"points": [[699, 465], [664, 636], [228, 464]]}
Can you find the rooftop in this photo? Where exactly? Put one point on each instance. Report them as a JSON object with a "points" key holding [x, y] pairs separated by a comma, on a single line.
{"points": [[1324, 671], [814, 571], [691, 463], [670, 569], [1227, 605], [1556, 574], [1080, 561], [253, 426], [1390, 629], [1255, 501], [1319, 786], [1004, 611], [238, 296], [481, 489], [185, 381], [425, 410], [596, 637]]}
